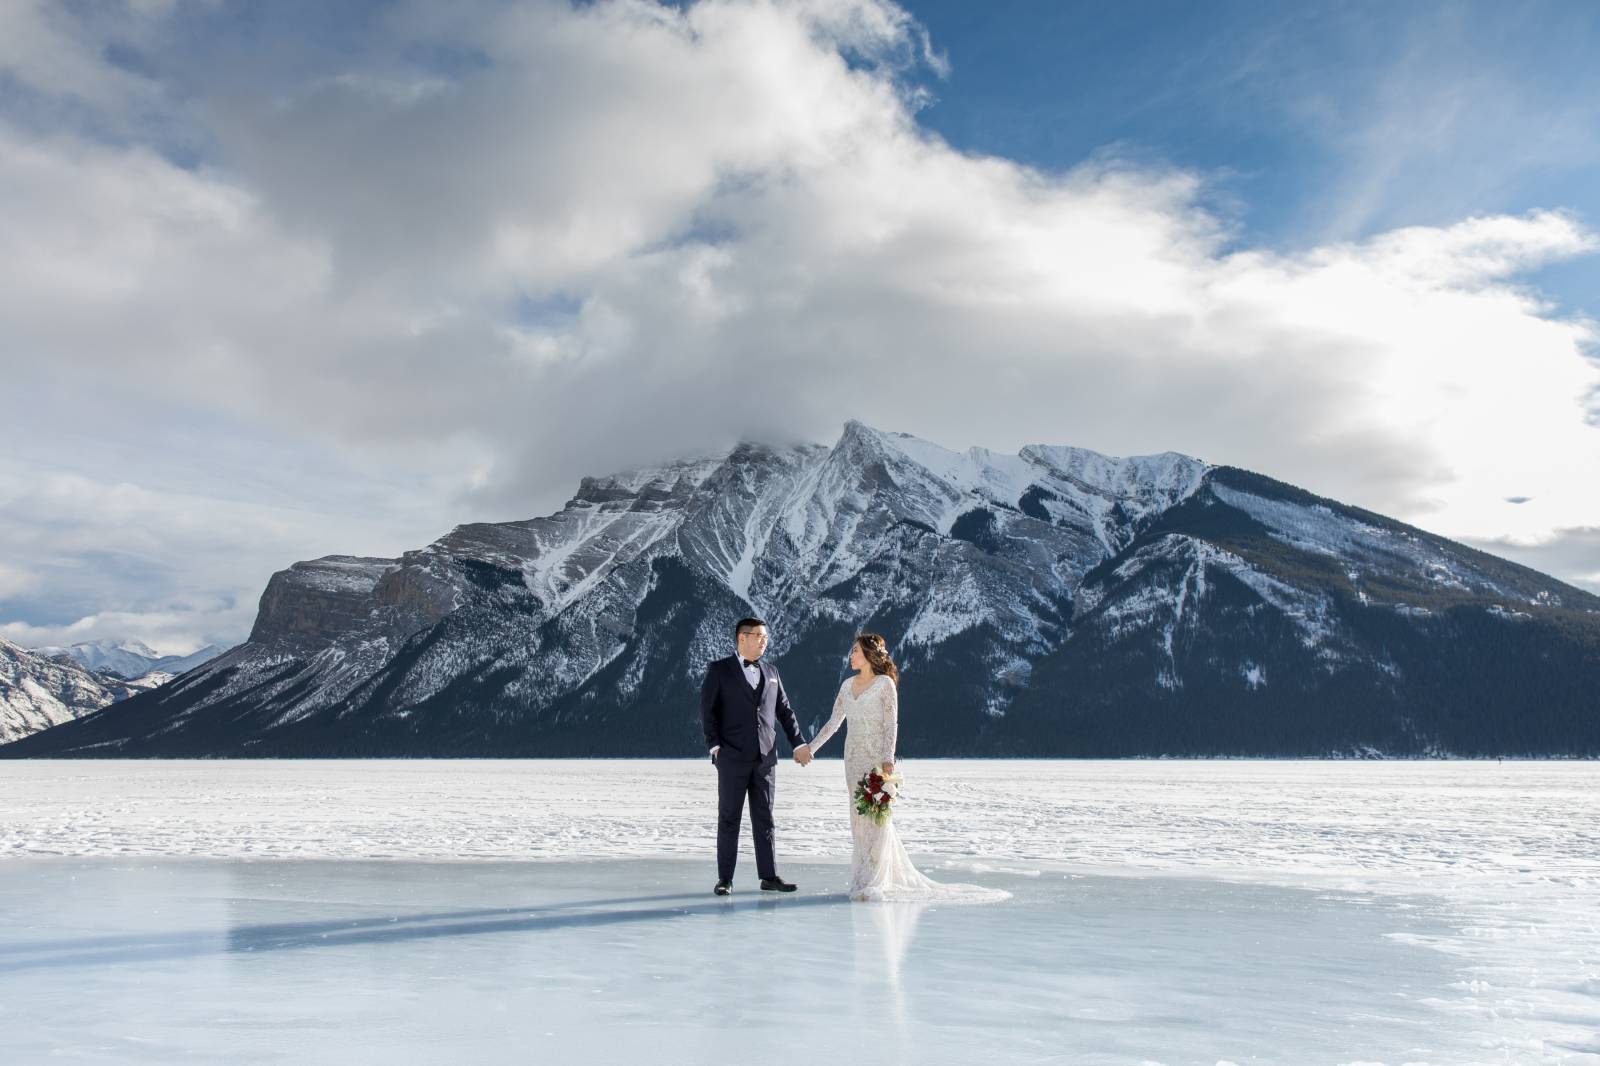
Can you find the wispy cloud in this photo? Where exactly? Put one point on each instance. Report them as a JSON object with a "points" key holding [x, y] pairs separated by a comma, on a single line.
{"points": [[46, 48], [1442, 109]]}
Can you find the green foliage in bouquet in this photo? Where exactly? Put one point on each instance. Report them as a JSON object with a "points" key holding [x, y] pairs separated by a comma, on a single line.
{"points": [[875, 794]]}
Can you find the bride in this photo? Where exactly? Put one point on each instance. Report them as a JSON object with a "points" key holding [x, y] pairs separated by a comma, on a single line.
{"points": [[880, 869]]}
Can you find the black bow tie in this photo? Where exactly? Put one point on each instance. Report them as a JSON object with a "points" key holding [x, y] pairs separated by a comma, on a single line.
{"points": [[748, 662]]}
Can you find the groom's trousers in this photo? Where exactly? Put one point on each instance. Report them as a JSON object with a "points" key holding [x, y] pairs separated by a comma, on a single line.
{"points": [[735, 782]]}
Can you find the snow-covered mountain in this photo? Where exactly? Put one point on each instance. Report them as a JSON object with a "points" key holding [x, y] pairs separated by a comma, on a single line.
{"points": [[1056, 601], [128, 658], [37, 692]]}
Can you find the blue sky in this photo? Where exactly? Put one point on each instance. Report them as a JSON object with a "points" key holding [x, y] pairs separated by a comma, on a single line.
{"points": [[293, 279], [1315, 121]]}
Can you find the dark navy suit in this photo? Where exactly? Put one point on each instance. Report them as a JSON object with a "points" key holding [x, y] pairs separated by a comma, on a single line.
{"points": [[743, 723]]}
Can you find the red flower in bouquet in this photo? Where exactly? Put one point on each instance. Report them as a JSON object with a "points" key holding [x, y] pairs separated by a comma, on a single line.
{"points": [[875, 794]]}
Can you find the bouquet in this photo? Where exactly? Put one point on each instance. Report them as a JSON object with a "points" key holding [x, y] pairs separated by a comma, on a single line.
{"points": [[875, 794]]}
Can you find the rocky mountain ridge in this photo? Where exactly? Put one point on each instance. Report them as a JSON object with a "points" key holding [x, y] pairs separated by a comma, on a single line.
{"points": [[1052, 602], [38, 692]]}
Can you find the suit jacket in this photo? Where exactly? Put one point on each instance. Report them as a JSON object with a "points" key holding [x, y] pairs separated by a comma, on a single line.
{"points": [[742, 720]]}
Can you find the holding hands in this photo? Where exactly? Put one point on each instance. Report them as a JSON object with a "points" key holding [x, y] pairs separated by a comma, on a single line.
{"points": [[802, 754]]}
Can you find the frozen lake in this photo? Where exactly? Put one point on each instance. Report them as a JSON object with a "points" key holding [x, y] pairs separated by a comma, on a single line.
{"points": [[1171, 912]]}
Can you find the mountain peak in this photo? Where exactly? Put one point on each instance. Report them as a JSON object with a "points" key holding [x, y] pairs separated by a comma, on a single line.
{"points": [[855, 429], [125, 658]]}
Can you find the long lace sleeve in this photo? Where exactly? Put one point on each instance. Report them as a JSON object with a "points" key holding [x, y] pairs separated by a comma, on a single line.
{"points": [[891, 718], [834, 722]]}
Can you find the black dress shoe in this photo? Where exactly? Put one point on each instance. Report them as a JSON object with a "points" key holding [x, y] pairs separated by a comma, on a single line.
{"points": [[723, 888], [776, 884]]}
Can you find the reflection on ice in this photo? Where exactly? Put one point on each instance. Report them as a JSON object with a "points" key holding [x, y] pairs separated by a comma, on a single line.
{"points": [[883, 934], [634, 961]]}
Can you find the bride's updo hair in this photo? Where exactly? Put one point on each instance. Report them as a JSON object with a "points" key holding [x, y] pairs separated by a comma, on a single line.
{"points": [[877, 654]]}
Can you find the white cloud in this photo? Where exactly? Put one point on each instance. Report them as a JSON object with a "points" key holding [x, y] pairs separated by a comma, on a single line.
{"points": [[1572, 553], [96, 557], [15, 581], [628, 231], [47, 50], [167, 633]]}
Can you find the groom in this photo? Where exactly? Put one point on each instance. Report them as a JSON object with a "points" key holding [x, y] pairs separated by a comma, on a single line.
{"points": [[741, 700]]}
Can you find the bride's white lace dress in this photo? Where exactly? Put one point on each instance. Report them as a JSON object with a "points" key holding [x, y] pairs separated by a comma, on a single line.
{"points": [[880, 869]]}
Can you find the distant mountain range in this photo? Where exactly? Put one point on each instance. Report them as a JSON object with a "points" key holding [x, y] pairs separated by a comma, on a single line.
{"points": [[128, 658], [37, 692], [1052, 602]]}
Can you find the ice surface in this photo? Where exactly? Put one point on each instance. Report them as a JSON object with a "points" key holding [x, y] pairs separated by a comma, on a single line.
{"points": [[1173, 912], [633, 961]]}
